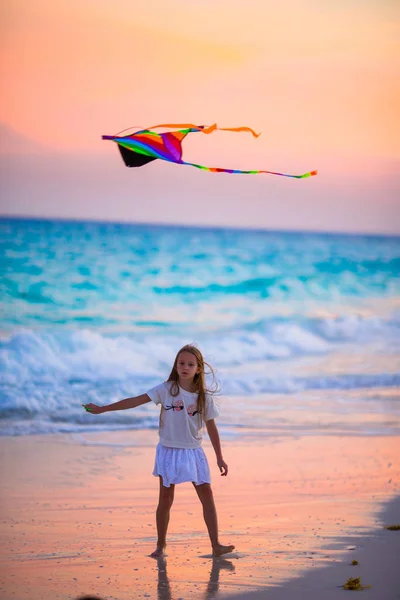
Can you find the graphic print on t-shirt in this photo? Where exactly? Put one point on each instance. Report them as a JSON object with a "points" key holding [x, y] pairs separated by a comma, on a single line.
{"points": [[192, 410], [177, 406]]}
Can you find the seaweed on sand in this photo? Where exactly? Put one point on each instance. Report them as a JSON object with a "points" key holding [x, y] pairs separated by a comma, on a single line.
{"points": [[354, 583]]}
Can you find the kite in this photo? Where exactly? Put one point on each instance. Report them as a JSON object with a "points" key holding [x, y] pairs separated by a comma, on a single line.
{"points": [[144, 146]]}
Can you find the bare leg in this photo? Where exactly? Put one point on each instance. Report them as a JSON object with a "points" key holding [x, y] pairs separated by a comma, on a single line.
{"points": [[205, 494], [165, 501]]}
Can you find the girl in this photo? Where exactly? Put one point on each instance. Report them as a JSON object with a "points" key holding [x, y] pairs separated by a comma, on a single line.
{"points": [[185, 406]]}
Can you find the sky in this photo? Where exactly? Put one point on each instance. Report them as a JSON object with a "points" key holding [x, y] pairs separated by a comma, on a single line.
{"points": [[319, 80]]}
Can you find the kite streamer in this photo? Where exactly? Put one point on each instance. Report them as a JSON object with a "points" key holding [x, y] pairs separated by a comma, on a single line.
{"points": [[146, 145]]}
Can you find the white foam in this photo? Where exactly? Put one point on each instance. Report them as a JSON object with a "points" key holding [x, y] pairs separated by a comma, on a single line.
{"points": [[46, 376]]}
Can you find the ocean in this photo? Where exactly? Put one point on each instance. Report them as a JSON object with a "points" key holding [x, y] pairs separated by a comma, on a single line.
{"points": [[301, 328]]}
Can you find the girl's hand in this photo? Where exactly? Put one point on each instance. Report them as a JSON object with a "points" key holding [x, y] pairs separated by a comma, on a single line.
{"points": [[223, 467], [93, 408]]}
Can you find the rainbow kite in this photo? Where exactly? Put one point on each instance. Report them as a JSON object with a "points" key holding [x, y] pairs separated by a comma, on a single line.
{"points": [[140, 148]]}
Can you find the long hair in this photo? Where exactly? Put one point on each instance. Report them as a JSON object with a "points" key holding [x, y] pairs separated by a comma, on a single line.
{"points": [[199, 379]]}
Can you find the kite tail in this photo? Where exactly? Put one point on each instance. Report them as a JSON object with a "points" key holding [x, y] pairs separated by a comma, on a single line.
{"points": [[205, 128], [218, 170]]}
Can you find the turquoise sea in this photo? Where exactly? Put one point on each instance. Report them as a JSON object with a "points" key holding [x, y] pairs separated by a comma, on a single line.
{"points": [[94, 312]]}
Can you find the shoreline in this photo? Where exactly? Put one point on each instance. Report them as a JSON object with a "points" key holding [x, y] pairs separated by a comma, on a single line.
{"points": [[80, 519]]}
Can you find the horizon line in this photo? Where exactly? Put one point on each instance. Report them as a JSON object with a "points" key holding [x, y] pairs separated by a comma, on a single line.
{"points": [[159, 224]]}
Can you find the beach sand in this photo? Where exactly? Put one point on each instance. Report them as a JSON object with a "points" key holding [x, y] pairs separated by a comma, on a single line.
{"points": [[78, 517], [377, 553]]}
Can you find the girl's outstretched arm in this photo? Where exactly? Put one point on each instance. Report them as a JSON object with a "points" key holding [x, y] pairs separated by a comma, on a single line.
{"points": [[121, 405], [214, 437]]}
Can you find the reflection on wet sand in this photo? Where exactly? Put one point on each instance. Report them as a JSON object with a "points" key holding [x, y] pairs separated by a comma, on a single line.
{"points": [[211, 591]]}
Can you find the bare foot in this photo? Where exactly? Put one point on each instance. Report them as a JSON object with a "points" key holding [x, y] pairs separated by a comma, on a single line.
{"points": [[158, 552], [219, 550]]}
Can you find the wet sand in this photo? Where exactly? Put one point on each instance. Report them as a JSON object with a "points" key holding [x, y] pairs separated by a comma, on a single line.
{"points": [[377, 554], [81, 518]]}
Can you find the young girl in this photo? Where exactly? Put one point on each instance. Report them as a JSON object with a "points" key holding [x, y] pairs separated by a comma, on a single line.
{"points": [[185, 406]]}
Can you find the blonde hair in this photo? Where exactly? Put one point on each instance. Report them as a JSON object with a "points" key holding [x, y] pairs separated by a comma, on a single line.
{"points": [[199, 379]]}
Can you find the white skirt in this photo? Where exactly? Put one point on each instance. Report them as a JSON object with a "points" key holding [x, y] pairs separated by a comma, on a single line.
{"points": [[178, 465]]}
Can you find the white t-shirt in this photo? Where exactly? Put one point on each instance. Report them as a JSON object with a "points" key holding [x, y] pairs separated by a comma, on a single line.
{"points": [[180, 423]]}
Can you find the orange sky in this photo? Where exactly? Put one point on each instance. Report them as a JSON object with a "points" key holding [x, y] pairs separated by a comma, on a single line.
{"points": [[319, 79]]}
